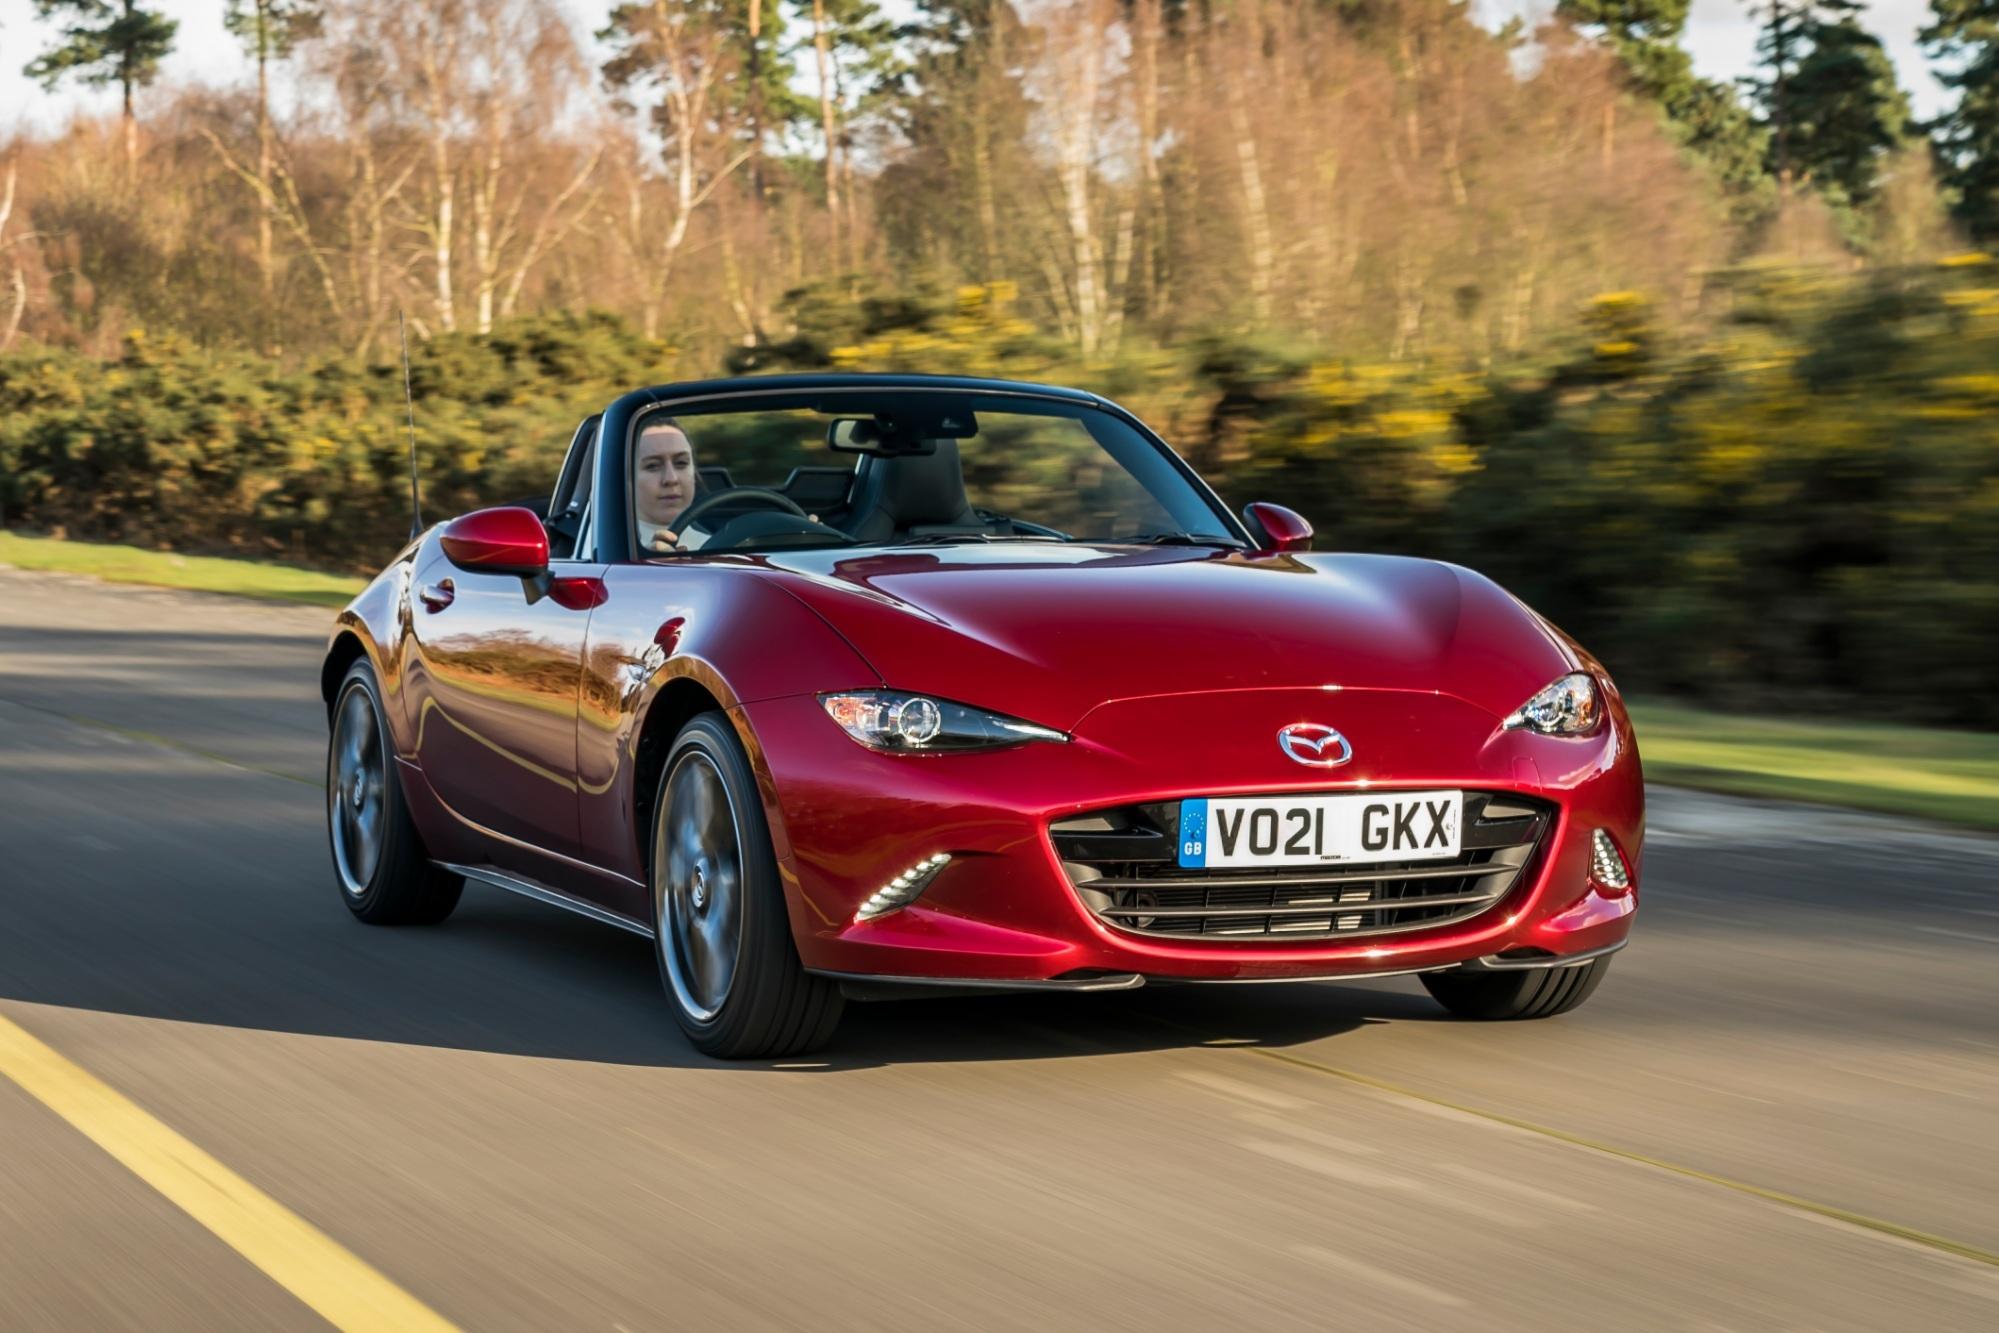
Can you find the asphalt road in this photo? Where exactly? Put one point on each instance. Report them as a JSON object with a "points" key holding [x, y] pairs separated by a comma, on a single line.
{"points": [[1780, 1111]]}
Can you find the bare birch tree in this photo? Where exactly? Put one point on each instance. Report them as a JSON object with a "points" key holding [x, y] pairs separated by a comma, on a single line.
{"points": [[673, 67]]}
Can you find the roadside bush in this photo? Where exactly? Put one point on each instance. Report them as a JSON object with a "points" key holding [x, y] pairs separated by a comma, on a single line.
{"points": [[223, 452], [1799, 508]]}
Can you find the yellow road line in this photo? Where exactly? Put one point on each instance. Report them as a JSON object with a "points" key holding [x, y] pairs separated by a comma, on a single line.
{"points": [[296, 1255], [1837, 1214]]}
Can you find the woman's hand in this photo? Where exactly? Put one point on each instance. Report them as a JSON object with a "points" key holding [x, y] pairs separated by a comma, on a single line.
{"points": [[666, 539]]}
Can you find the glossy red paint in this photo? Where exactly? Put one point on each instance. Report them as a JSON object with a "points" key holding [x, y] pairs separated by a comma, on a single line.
{"points": [[489, 700], [1286, 529], [527, 723], [1004, 909], [578, 593], [1047, 633], [506, 540]]}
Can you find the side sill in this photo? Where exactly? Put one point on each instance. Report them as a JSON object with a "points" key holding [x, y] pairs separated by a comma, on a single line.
{"points": [[527, 888]]}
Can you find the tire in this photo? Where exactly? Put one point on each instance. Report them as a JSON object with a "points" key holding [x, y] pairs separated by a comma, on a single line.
{"points": [[379, 863], [1539, 992], [722, 937]]}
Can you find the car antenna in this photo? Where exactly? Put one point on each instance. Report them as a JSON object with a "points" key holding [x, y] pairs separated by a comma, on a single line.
{"points": [[409, 401]]}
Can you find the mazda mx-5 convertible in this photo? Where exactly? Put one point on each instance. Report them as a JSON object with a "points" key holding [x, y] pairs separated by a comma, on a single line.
{"points": [[844, 686]]}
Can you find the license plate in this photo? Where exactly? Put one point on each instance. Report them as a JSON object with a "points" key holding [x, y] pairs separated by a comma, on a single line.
{"points": [[1347, 829]]}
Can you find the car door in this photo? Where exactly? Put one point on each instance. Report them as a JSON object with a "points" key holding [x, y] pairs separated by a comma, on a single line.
{"points": [[494, 694]]}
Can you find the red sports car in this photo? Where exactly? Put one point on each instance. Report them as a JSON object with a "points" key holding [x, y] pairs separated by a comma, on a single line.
{"points": [[839, 685]]}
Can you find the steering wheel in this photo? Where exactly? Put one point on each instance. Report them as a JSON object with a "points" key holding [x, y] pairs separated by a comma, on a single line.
{"points": [[762, 495]]}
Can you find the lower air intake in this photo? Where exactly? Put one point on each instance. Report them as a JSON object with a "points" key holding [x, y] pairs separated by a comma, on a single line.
{"points": [[1123, 866]]}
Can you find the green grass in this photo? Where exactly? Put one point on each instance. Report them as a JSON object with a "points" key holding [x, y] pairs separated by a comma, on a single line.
{"points": [[1927, 772], [129, 564], [1923, 771]]}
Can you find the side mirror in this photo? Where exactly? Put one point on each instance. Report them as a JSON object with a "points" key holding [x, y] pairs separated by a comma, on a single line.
{"points": [[1281, 529], [508, 540]]}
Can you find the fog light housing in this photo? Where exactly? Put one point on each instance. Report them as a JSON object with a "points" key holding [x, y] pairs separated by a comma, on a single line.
{"points": [[903, 889], [1606, 863]]}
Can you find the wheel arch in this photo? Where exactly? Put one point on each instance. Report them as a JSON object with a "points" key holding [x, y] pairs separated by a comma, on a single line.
{"points": [[341, 654], [676, 703], [679, 700]]}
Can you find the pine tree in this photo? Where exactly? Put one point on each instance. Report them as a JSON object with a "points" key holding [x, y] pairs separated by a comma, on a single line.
{"points": [[1645, 37], [1965, 33], [1844, 110], [1708, 118], [103, 43], [1828, 96]]}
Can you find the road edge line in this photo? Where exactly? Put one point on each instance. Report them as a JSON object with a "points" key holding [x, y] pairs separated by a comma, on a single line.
{"points": [[1943, 1244], [339, 1286]]}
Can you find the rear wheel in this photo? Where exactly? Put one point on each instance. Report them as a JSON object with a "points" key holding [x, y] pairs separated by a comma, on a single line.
{"points": [[1533, 993], [722, 937], [384, 875]]}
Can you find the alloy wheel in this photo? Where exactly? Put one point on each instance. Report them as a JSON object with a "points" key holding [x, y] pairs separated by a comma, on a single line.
{"points": [[355, 792], [700, 895]]}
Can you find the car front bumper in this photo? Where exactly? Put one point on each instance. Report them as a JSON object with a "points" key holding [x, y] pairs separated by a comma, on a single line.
{"points": [[847, 820]]}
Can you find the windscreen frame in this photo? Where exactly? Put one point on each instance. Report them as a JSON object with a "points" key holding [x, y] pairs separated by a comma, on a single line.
{"points": [[613, 528]]}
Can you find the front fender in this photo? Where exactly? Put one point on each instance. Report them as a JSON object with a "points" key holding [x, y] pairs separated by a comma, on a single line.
{"points": [[668, 642], [375, 626]]}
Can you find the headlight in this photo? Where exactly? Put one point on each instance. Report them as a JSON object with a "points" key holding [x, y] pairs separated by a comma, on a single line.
{"points": [[1568, 707], [892, 720]]}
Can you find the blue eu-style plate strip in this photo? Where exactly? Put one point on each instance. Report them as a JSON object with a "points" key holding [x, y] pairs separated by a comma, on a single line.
{"points": [[1194, 833]]}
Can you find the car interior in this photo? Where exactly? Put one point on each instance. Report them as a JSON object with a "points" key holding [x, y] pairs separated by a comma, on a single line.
{"points": [[883, 497]]}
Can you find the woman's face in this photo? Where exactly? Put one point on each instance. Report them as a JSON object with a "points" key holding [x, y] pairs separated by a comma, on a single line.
{"points": [[665, 482]]}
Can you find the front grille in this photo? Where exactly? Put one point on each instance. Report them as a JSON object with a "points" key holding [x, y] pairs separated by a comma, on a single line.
{"points": [[1123, 865]]}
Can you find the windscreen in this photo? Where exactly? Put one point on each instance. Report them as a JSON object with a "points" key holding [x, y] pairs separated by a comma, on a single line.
{"points": [[906, 469]]}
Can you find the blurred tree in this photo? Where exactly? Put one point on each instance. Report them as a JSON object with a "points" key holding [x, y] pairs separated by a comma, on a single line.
{"points": [[103, 43], [1645, 37], [1706, 116], [855, 58], [1965, 35], [525, 186], [268, 30], [829, 130], [17, 278], [1827, 93], [1722, 132], [679, 67], [1844, 110], [1780, 45], [961, 107], [1909, 221]]}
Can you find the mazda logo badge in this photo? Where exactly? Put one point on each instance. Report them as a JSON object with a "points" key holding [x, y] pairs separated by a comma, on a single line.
{"points": [[1314, 745]]}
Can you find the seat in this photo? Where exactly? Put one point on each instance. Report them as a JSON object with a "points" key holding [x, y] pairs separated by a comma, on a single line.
{"points": [[819, 490], [911, 493]]}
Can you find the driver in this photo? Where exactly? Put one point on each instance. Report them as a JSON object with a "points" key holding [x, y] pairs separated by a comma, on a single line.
{"points": [[663, 486]]}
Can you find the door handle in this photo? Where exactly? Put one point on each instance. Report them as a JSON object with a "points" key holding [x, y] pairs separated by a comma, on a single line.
{"points": [[438, 595]]}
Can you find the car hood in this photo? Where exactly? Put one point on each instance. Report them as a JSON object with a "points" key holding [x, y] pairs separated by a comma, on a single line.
{"points": [[1048, 633]]}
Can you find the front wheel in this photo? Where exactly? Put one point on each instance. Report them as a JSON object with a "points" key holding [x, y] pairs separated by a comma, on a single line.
{"points": [[1540, 992], [721, 935], [378, 858]]}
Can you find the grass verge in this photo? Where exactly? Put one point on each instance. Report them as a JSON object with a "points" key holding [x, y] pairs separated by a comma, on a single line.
{"points": [[1952, 776], [129, 564], [1923, 771]]}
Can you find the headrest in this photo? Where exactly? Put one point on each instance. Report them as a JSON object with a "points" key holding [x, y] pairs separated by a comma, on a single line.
{"points": [[919, 489]]}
